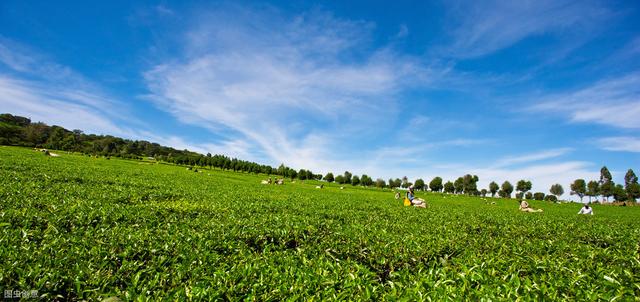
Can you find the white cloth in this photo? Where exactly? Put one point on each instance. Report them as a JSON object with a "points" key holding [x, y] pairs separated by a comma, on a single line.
{"points": [[586, 211]]}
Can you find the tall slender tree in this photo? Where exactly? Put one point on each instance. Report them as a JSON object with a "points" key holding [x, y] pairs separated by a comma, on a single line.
{"points": [[606, 183], [631, 185]]}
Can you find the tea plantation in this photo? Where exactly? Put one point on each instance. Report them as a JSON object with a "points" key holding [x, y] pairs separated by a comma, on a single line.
{"points": [[80, 228]]}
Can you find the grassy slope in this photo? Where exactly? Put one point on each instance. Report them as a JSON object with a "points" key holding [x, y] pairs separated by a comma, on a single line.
{"points": [[81, 227]]}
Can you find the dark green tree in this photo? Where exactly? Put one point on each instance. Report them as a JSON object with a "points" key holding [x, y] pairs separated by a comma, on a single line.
{"points": [[469, 184], [593, 189], [419, 185], [557, 190], [329, 177], [347, 177], [493, 188], [436, 184], [459, 185], [302, 174], [579, 187], [448, 187], [507, 188], [631, 185], [355, 180], [606, 183], [523, 186], [619, 194], [366, 180]]}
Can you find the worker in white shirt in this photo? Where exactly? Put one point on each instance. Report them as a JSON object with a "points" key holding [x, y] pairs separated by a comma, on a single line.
{"points": [[586, 210]]}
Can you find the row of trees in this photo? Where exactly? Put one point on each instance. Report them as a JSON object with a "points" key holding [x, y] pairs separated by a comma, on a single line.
{"points": [[17, 130], [20, 131], [606, 188]]}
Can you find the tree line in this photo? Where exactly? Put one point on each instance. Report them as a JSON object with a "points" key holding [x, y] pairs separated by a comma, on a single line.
{"points": [[20, 131]]}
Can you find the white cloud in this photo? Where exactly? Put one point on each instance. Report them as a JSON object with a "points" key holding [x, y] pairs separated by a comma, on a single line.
{"points": [[526, 158], [620, 143], [486, 26], [55, 108], [614, 102], [298, 89]]}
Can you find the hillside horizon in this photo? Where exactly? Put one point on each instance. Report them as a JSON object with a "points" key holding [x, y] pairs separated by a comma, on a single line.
{"points": [[19, 130]]}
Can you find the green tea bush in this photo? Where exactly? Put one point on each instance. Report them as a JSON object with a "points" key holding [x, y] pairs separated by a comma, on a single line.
{"points": [[83, 228]]}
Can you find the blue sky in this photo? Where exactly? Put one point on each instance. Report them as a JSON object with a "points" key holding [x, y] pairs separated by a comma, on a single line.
{"points": [[542, 90]]}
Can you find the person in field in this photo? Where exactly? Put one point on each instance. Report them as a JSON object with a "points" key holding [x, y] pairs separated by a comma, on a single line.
{"points": [[524, 207], [416, 202], [586, 210]]}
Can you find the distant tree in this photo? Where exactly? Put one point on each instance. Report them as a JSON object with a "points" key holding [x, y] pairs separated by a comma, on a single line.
{"points": [[538, 196], [519, 195], [436, 184], [619, 194], [606, 183], [551, 198], [557, 190], [14, 120], [340, 179], [347, 177], [483, 192], [523, 186], [380, 183], [397, 183], [310, 175], [292, 173], [593, 189], [355, 180], [329, 177], [459, 185], [631, 185], [579, 187], [469, 184], [419, 185], [391, 184], [405, 182], [507, 188], [528, 195], [448, 187], [366, 180], [302, 174], [493, 188]]}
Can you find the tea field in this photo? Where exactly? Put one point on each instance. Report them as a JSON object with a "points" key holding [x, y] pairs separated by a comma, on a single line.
{"points": [[79, 228]]}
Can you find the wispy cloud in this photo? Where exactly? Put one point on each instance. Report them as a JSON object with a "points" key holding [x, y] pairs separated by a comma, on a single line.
{"points": [[620, 143], [483, 27], [532, 157], [297, 88], [33, 85], [60, 108], [614, 102]]}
